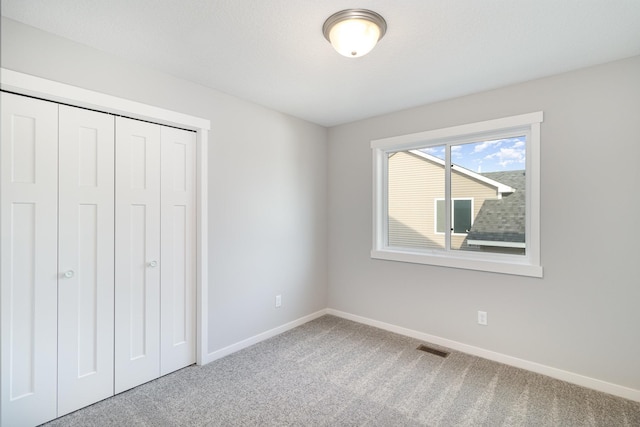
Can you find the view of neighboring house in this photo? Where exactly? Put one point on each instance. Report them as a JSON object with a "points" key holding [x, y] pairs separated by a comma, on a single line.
{"points": [[487, 212]]}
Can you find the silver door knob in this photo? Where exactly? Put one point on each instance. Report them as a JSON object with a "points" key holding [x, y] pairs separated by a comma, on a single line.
{"points": [[69, 274], [153, 264]]}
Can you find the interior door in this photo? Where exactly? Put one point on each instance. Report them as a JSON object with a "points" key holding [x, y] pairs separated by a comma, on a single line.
{"points": [[85, 258], [28, 225], [137, 253], [178, 250]]}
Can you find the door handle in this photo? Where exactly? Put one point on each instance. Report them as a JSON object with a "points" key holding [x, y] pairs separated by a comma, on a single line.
{"points": [[69, 274], [153, 264]]}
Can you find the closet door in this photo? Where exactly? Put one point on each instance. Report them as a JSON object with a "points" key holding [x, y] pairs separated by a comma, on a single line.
{"points": [[85, 258], [178, 253], [28, 225], [137, 253]]}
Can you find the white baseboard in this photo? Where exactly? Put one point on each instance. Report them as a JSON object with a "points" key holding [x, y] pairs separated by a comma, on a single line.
{"points": [[218, 354], [581, 380]]}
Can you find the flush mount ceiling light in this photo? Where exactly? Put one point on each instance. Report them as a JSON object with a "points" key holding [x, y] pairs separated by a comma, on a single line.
{"points": [[354, 32]]}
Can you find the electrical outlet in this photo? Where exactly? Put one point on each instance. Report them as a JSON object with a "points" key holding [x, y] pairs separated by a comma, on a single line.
{"points": [[482, 318], [278, 301]]}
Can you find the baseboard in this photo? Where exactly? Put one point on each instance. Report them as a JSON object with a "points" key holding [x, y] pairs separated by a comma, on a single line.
{"points": [[581, 380], [218, 354]]}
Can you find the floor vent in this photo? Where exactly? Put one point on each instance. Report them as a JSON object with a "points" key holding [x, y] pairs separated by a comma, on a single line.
{"points": [[432, 350]]}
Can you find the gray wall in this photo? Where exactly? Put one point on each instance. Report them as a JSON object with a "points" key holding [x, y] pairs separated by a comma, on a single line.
{"points": [[584, 315], [267, 183]]}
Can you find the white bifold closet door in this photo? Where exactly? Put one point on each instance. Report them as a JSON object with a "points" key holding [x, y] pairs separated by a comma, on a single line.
{"points": [[155, 251], [178, 250], [29, 271], [98, 252], [57, 259], [85, 258], [137, 296]]}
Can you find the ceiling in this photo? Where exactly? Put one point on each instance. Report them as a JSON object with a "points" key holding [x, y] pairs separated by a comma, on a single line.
{"points": [[272, 52]]}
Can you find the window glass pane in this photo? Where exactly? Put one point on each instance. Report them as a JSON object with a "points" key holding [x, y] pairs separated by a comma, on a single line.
{"points": [[488, 188], [461, 216], [415, 184]]}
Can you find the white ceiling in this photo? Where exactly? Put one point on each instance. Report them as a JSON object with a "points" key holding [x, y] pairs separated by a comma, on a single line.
{"points": [[272, 52]]}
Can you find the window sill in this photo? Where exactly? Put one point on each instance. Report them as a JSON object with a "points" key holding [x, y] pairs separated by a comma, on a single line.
{"points": [[508, 265]]}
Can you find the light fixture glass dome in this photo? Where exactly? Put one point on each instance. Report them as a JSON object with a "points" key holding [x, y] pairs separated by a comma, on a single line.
{"points": [[354, 32]]}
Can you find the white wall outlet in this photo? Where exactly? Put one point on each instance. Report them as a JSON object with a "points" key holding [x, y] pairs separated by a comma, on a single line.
{"points": [[482, 318], [278, 300]]}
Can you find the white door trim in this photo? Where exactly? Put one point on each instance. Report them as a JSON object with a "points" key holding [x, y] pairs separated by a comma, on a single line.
{"points": [[25, 84]]}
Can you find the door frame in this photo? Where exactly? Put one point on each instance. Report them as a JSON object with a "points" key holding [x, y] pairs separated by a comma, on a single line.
{"points": [[26, 84]]}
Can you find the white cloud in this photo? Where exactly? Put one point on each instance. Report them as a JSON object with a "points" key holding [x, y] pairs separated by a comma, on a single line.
{"points": [[507, 156], [479, 147]]}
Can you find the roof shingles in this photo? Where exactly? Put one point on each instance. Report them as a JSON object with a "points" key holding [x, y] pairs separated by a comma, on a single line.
{"points": [[502, 220]]}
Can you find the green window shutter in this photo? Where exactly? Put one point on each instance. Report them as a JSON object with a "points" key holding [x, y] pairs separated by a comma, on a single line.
{"points": [[461, 216]]}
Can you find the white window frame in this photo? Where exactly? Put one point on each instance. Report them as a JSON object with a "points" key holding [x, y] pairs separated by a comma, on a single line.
{"points": [[523, 265], [453, 217]]}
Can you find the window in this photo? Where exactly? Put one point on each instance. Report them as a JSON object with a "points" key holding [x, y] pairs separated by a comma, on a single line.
{"points": [[466, 196], [461, 215]]}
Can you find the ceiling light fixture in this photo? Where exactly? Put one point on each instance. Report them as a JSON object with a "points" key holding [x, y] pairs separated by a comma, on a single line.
{"points": [[354, 32]]}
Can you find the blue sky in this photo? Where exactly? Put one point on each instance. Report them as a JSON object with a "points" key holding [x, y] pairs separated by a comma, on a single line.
{"points": [[486, 156]]}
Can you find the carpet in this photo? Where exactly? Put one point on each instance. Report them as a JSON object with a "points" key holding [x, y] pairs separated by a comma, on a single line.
{"points": [[334, 372]]}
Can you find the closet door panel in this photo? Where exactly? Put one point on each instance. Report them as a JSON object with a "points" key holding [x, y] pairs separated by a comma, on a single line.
{"points": [[137, 285], [28, 293], [86, 258], [178, 281]]}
